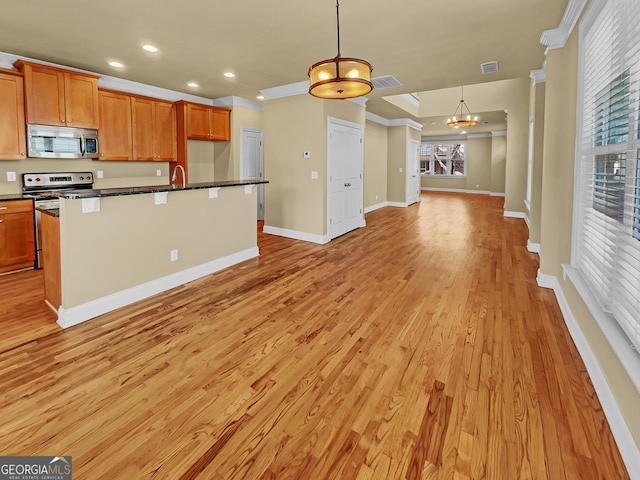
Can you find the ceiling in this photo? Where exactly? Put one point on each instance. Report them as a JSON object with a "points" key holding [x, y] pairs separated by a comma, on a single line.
{"points": [[426, 44]]}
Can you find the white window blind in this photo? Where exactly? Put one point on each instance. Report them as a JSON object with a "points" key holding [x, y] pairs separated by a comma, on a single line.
{"points": [[608, 188]]}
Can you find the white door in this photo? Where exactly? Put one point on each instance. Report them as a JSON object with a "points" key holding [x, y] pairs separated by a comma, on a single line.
{"points": [[413, 172], [345, 168], [251, 161]]}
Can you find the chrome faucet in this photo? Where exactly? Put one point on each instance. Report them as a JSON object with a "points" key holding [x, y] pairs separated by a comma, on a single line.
{"points": [[174, 175]]}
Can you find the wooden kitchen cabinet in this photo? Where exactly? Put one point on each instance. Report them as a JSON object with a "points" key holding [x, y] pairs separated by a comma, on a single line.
{"points": [[17, 241], [154, 129], [207, 123], [115, 134], [12, 124], [54, 96]]}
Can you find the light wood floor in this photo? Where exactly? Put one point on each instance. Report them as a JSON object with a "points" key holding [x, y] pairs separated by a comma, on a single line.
{"points": [[416, 347]]}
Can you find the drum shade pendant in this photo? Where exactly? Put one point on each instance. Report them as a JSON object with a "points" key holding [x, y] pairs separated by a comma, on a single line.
{"points": [[340, 78], [460, 119]]}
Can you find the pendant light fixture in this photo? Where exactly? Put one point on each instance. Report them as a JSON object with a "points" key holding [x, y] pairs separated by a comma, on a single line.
{"points": [[340, 78], [460, 119]]}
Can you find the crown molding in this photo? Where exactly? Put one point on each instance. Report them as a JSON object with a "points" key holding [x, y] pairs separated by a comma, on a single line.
{"points": [[499, 133], [538, 76], [557, 37], [372, 117], [405, 122], [396, 122], [480, 135], [231, 101], [285, 90]]}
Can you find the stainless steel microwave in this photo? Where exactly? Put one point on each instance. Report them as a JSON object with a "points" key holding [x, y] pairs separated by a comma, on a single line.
{"points": [[46, 141]]}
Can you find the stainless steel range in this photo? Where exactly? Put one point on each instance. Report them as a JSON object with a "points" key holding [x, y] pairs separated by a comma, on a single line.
{"points": [[44, 188]]}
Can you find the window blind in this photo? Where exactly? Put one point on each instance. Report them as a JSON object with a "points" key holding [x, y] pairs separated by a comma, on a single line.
{"points": [[608, 187]]}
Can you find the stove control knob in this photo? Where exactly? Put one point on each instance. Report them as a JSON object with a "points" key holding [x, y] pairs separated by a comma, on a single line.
{"points": [[37, 179], [81, 178]]}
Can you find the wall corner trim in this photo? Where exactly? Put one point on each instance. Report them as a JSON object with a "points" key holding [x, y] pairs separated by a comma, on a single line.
{"points": [[624, 439], [538, 76], [557, 37]]}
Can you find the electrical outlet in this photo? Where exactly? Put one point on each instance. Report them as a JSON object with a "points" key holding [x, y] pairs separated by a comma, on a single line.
{"points": [[158, 173], [11, 176], [174, 255], [100, 174], [400, 169], [306, 154], [314, 175]]}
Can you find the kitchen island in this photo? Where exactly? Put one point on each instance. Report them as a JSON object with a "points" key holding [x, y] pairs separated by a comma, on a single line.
{"points": [[120, 245]]}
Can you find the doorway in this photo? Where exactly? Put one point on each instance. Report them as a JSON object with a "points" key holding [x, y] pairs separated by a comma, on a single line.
{"points": [[345, 165], [252, 161]]}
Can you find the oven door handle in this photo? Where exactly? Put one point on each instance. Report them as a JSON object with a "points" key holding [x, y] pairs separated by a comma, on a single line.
{"points": [[82, 147]]}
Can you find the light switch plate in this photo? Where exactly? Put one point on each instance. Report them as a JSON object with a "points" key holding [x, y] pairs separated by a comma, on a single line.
{"points": [[100, 173], [314, 175], [158, 173], [11, 176], [173, 255]]}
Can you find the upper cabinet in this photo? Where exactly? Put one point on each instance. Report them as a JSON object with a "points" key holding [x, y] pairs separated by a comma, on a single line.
{"points": [[154, 129], [139, 128], [55, 96], [12, 130], [116, 141], [206, 123]]}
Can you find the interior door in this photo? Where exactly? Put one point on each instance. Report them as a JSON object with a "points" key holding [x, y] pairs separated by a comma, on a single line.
{"points": [[413, 171], [345, 169], [251, 160]]}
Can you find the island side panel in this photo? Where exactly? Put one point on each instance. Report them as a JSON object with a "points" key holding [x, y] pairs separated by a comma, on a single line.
{"points": [[128, 242]]}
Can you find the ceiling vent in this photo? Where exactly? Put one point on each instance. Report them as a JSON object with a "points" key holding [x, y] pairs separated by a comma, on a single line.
{"points": [[489, 67], [386, 82]]}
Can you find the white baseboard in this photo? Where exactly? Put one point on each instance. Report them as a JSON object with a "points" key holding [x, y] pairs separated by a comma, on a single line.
{"points": [[533, 247], [67, 317], [511, 214], [624, 439], [457, 190], [376, 207], [545, 281], [397, 204], [296, 235], [497, 194]]}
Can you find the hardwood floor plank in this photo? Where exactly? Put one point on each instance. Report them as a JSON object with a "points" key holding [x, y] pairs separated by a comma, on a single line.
{"points": [[418, 347]]}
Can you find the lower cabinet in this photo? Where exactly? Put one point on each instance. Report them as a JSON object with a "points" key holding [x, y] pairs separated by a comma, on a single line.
{"points": [[17, 241], [51, 260]]}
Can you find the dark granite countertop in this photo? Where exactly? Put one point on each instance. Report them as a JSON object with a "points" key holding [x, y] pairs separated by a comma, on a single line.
{"points": [[115, 192]]}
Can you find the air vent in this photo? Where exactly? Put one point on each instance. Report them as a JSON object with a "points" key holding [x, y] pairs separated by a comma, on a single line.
{"points": [[386, 82], [489, 67]]}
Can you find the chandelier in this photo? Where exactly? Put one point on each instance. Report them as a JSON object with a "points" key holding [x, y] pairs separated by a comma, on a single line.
{"points": [[340, 78], [460, 119]]}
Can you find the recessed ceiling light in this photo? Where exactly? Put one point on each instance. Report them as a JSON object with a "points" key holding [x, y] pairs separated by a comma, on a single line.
{"points": [[260, 97], [116, 64], [193, 84], [229, 74], [150, 48]]}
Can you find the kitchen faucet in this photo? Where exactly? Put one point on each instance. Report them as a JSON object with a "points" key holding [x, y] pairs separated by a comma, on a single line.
{"points": [[174, 175]]}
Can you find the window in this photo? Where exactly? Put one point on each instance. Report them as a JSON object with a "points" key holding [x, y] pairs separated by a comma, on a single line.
{"points": [[606, 249], [443, 159]]}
